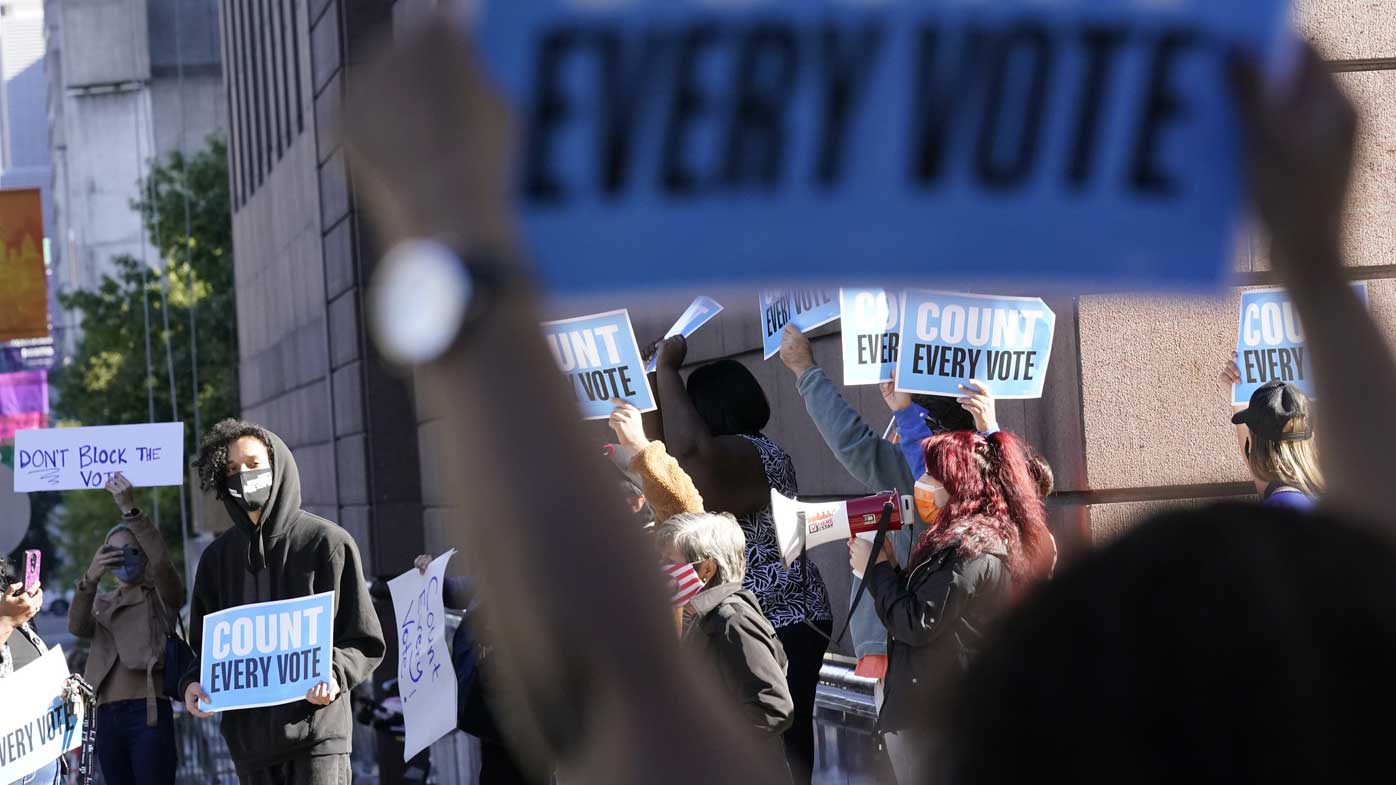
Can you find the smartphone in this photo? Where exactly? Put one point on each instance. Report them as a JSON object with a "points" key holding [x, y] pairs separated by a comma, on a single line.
{"points": [[32, 560]]}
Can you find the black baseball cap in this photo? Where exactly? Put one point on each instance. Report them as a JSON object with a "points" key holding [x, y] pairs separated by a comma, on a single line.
{"points": [[1272, 407]]}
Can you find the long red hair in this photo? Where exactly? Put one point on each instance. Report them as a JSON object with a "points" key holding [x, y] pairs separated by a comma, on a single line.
{"points": [[995, 503]]}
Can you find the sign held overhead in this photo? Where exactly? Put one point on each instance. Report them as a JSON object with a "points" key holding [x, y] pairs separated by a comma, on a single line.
{"points": [[949, 339], [826, 140], [60, 459]]}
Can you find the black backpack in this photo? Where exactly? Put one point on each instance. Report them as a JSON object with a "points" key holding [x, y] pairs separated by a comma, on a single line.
{"points": [[473, 714]]}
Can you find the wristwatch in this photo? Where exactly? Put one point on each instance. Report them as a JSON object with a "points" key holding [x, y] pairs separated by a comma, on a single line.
{"points": [[424, 294]]}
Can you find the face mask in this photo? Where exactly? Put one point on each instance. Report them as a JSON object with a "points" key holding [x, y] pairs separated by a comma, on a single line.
{"points": [[931, 498], [132, 565], [251, 489]]}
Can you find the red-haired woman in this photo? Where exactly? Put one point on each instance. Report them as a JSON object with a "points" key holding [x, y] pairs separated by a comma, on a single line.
{"points": [[987, 542]]}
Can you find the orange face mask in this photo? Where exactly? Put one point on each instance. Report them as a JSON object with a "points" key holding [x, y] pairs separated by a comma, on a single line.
{"points": [[931, 498]]}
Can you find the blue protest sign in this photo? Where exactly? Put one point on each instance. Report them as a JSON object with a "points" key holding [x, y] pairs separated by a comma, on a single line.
{"points": [[675, 142], [1270, 343], [601, 360], [699, 312], [948, 339], [871, 319], [804, 308], [267, 653]]}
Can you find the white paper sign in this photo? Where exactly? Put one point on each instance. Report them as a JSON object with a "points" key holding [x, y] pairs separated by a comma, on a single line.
{"points": [[872, 321], [426, 679], [36, 725], [699, 313], [61, 459]]}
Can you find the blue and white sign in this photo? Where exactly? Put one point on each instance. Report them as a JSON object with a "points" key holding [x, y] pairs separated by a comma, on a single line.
{"points": [[38, 724], [1270, 343], [426, 680], [871, 319], [949, 339], [686, 142], [699, 312], [804, 308], [267, 653], [601, 360]]}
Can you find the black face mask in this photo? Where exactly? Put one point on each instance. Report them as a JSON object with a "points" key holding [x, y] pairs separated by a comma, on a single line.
{"points": [[251, 489]]}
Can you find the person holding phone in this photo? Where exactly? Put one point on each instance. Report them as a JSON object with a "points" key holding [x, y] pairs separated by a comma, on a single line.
{"points": [[20, 644], [128, 626]]}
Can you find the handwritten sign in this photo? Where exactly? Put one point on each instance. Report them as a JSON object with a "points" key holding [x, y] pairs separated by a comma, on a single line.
{"points": [[37, 725], [831, 140], [1270, 343], [426, 679], [871, 319], [804, 308], [266, 653], [948, 339], [601, 360], [60, 459], [698, 313]]}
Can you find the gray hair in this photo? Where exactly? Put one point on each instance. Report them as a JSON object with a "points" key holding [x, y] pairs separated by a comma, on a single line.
{"points": [[706, 535]]}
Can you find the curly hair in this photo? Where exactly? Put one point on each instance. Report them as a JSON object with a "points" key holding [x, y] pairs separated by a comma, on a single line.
{"points": [[994, 500], [213, 451]]}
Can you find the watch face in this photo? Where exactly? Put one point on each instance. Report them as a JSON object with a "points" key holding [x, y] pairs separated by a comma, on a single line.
{"points": [[420, 295]]}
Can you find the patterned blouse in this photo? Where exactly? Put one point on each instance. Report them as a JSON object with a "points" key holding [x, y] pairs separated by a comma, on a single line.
{"points": [[787, 596]]}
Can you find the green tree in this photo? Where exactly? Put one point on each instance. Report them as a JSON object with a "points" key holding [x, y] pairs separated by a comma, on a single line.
{"points": [[106, 381]]}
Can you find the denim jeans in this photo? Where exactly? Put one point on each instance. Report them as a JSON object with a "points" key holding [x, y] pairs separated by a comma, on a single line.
{"points": [[131, 752]]}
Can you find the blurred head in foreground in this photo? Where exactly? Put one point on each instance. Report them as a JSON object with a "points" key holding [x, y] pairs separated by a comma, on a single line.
{"points": [[1224, 645]]}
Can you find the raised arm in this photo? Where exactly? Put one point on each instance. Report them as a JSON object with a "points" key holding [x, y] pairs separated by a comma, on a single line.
{"points": [[590, 654], [1300, 142], [667, 487], [726, 469]]}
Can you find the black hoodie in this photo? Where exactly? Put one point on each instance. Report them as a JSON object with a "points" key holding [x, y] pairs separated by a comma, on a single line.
{"points": [[303, 554]]}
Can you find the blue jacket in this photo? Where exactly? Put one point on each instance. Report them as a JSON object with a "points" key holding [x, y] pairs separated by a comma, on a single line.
{"points": [[876, 463]]}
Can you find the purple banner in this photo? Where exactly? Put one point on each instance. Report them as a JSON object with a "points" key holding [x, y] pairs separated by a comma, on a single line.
{"points": [[23, 402]]}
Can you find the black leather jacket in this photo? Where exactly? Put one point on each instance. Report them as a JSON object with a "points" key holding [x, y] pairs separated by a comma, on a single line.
{"points": [[936, 616]]}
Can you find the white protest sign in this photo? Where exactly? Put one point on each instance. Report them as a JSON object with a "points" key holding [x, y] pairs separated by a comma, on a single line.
{"points": [[699, 312], [61, 459], [950, 338], [426, 679], [37, 725], [871, 319]]}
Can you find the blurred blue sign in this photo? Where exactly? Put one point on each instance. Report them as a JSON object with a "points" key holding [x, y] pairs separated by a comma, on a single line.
{"points": [[678, 142]]}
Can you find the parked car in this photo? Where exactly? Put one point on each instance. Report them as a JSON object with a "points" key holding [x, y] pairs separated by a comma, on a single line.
{"points": [[58, 604]]}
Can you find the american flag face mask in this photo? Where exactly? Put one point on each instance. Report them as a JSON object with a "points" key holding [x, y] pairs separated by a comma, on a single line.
{"points": [[684, 581]]}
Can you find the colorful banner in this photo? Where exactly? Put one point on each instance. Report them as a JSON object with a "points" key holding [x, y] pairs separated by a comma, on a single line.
{"points": [[871, 318], [599, 355], [267, 653], [685, 143], [60, 459], [30, 354], [37, 725], [23, 281], [804, 308], [1270, 343], [949, 339], [23, 402], [425, 678]]}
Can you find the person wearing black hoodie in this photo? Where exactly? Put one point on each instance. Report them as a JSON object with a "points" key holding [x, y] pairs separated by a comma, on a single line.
{"points": [[277, 551]]}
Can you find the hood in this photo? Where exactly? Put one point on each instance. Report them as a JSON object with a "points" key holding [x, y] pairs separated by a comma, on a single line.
{"points": [[282, 510]]}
